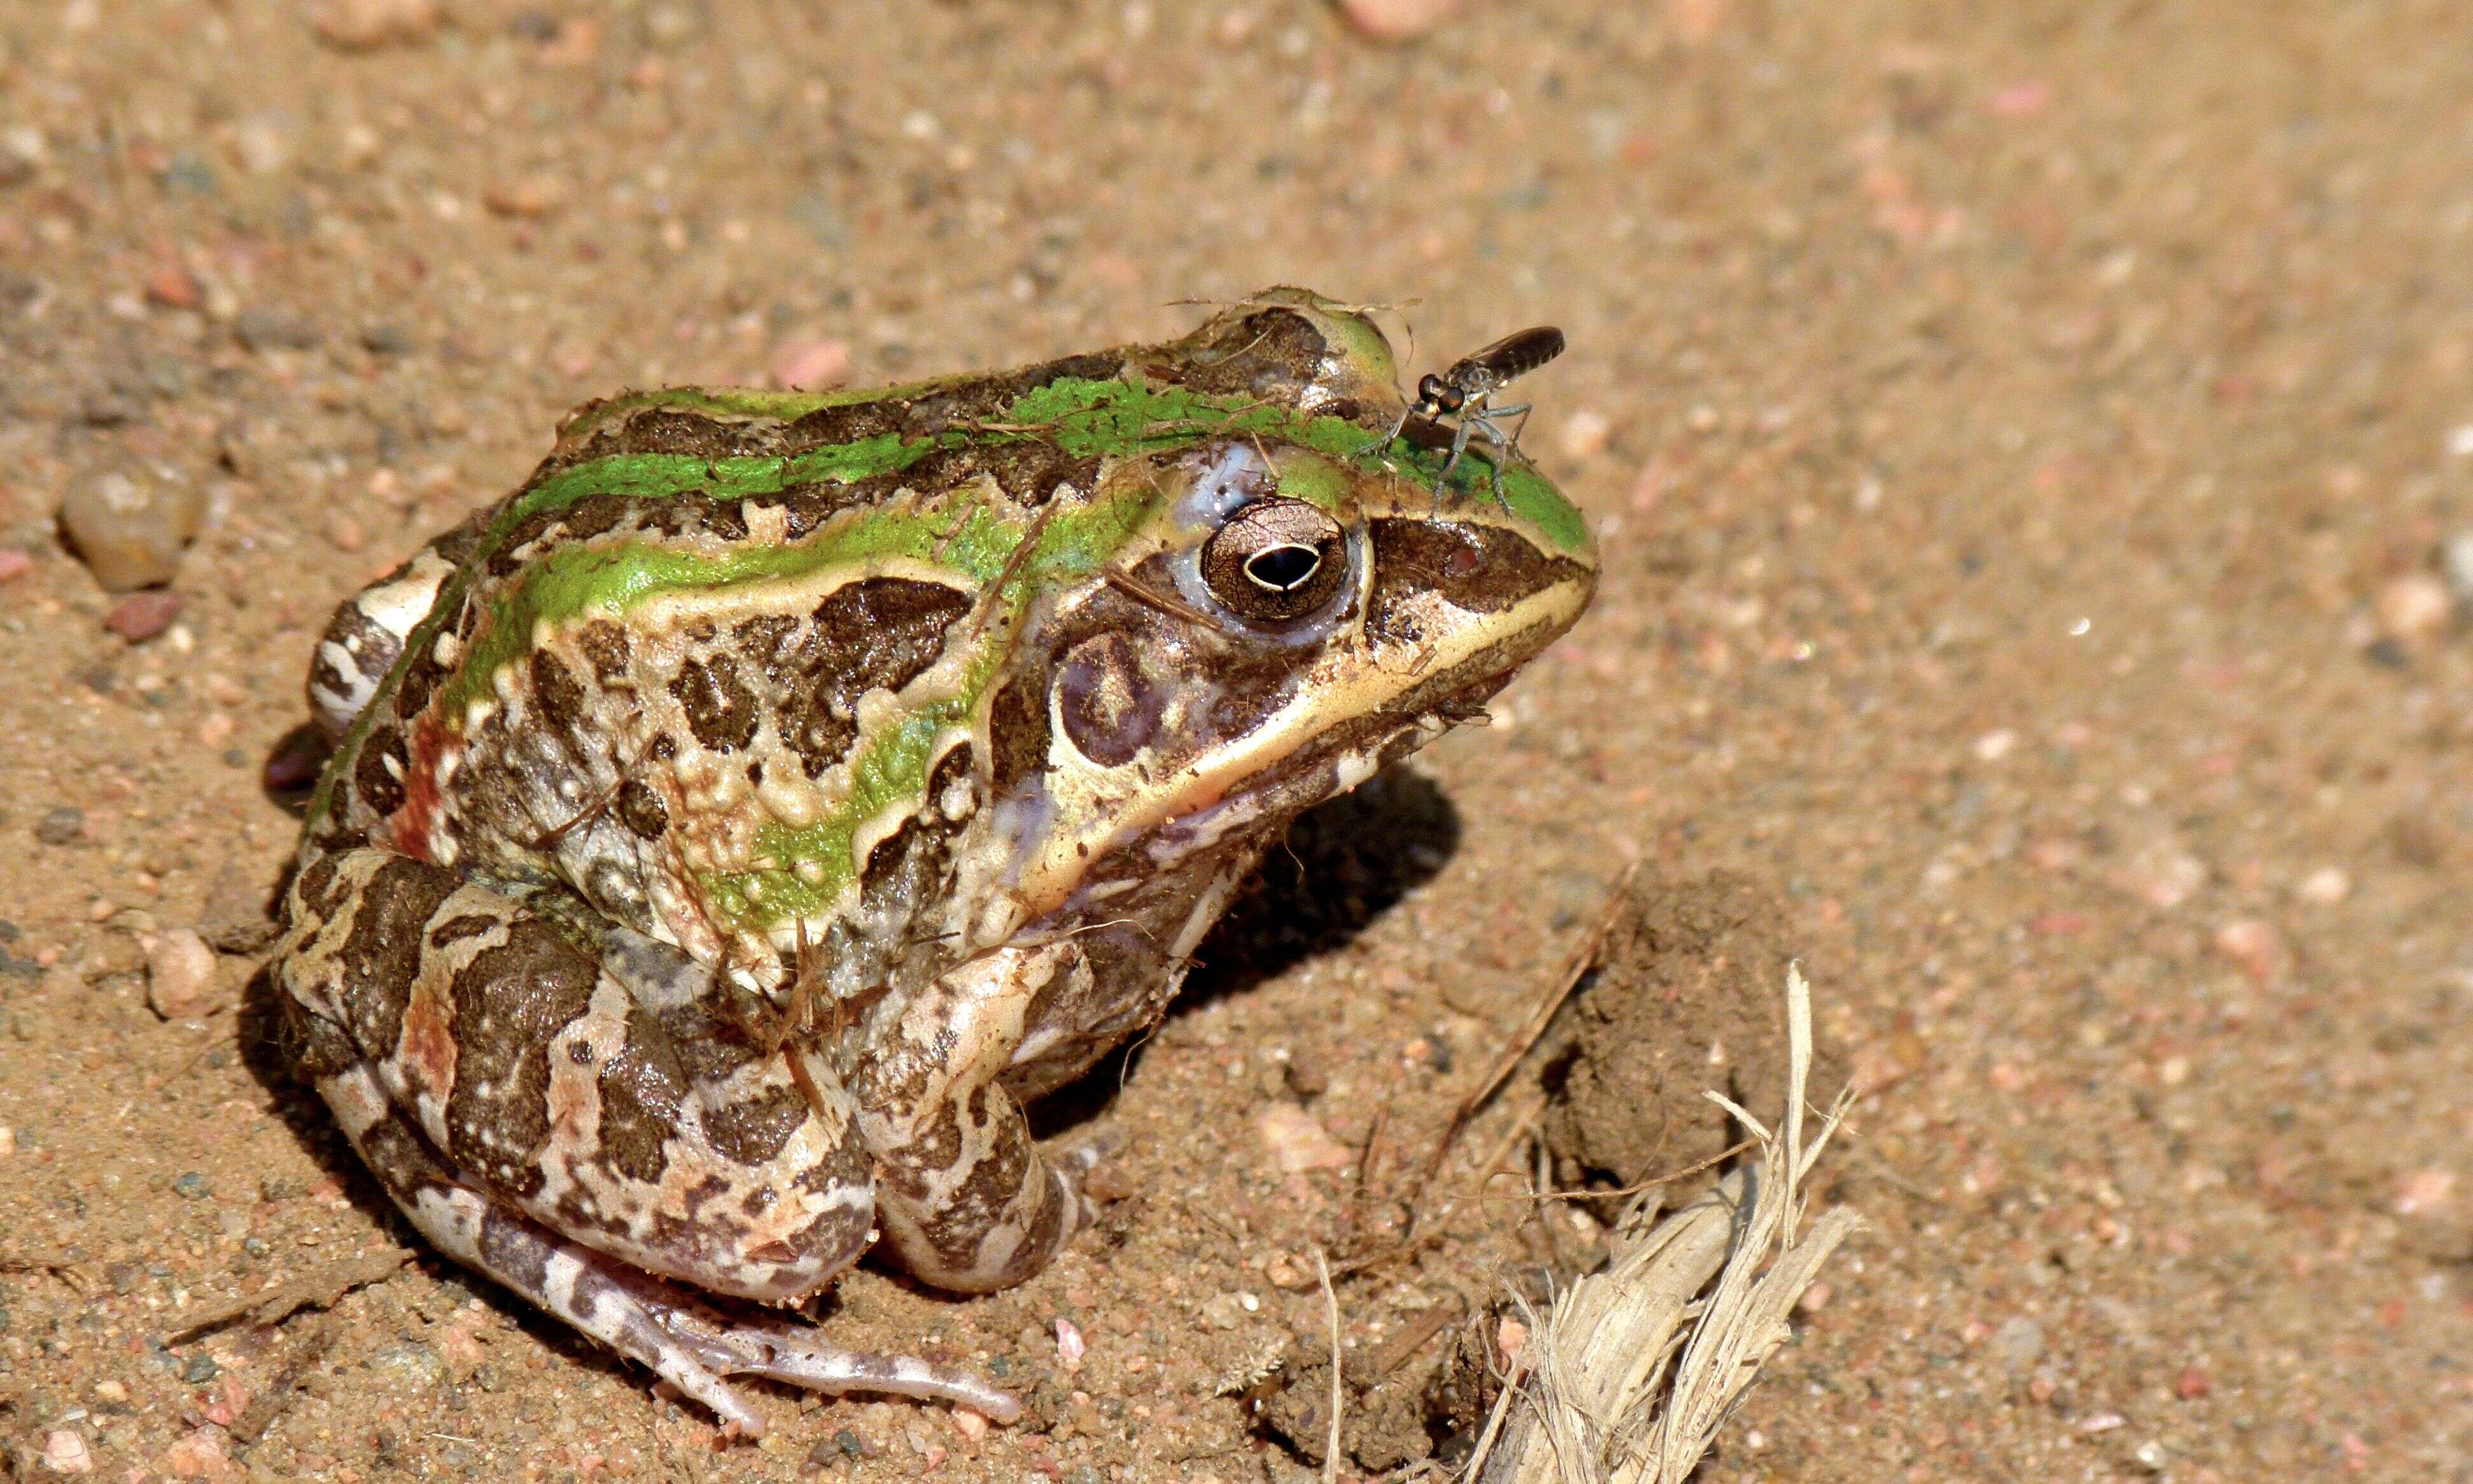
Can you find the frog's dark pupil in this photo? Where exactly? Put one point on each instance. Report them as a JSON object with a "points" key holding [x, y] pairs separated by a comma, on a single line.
{"points": [[1284, 568]]}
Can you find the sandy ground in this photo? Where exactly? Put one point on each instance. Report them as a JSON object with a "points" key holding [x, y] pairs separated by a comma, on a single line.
{"points": [[2022, 447]]}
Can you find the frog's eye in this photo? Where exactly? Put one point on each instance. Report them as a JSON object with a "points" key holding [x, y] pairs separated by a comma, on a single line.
{"points": [[1275, 559]]}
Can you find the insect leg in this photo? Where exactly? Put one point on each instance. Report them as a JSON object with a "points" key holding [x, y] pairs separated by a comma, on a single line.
{"points": [[1460, 446], [1520, 410], [1393, 436]]}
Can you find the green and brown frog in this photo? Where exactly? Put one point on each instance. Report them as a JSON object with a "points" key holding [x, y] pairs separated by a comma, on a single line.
{"points": [[732, 827]]}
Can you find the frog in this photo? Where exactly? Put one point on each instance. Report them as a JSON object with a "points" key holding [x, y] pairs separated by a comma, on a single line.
{"points": [[728, 832]]}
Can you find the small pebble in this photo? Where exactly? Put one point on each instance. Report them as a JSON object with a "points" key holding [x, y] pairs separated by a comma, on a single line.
{"points": [[2193, 1384], [64, 1453], [1297, 1142], [131, 532], [968, 1424], [202, 1367], [64, 825], [233, 917], [1586, 433], [7, 1141], [2411, 608], [1993, 746], [14, 564], [172, 287], [2019, 1342], [265, 329], [2162, 877], [2255, 948], [142, 615], [2019, 100], [809, 364], [1396, 20], [2455, 560], [181, 979], [2324, 886], [1112, 1183], [197, 1456], [2149, 1456], [2424, 1190], [366, 24], [531, 197]]}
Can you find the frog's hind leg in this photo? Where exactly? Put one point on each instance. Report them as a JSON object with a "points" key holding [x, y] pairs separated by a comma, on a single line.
{"points": [[581, 1126], [688, 1343]]}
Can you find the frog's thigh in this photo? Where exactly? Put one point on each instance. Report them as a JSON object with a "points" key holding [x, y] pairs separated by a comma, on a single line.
{"points": [[597, 1098], [964, 1197]]}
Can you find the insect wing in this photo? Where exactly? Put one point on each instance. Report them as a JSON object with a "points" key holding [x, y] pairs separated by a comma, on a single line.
{"points": [[1513, 357]]}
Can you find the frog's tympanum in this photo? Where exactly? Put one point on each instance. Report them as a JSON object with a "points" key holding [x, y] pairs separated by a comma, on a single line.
{"points": [[732, 827]]}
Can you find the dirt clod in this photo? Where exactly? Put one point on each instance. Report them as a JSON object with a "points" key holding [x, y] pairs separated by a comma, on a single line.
{"points": [[1683, 999], [236, 917]]}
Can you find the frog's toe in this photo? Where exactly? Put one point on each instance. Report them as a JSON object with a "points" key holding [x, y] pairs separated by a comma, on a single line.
{"points": [[803, 1358]]}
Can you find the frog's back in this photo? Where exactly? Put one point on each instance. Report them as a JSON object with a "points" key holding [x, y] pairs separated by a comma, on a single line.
{"points": [[679, 463]]}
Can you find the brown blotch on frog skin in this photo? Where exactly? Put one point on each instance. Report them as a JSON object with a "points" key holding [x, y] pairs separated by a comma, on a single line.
{"points": [[421, 680], [877, 633], [587, 517], [640, 809], [987, 397], [314, 1047], [380, 957], [606, 649], [1478, 568], [510, 1000], [456, 929], [720, 709], [557, 692], [719, 518], [381, 787], [1270, 355], [1108, 704], [1017, 736], [754, 1130], [639, 1100]]}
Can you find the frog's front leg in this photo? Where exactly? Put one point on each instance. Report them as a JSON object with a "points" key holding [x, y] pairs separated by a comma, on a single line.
{"points": [[965, 1198], [574, 1124]]}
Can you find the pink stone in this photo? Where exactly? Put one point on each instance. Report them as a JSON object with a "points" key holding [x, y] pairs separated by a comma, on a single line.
{"points": [[142, 615], [1396, 20], [809, 364]]}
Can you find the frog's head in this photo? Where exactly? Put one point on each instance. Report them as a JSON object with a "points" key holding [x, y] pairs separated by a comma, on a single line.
{"points": [[1293, 611]]}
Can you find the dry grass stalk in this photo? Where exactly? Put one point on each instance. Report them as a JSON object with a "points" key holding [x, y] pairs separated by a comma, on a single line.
{"points": [[1630, 1376]]}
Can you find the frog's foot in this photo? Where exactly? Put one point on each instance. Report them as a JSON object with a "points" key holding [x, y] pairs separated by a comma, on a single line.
{"points": [[688, 1343]]}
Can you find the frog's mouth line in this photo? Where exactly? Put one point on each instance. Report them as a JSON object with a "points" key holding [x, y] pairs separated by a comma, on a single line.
{"points": [[1263, 805]]}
